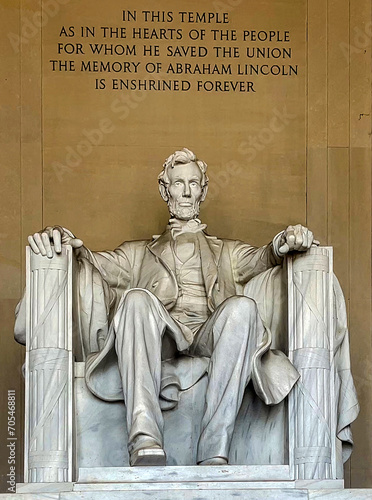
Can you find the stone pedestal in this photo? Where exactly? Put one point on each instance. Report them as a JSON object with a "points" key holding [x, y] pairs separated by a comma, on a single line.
{"points": [[189, 483]]}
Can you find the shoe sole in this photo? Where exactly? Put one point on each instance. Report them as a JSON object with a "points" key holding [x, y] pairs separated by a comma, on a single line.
{"points": [[148, 457]]}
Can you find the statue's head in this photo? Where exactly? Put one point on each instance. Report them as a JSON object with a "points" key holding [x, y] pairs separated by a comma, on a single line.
{"points": [[183, 184]]}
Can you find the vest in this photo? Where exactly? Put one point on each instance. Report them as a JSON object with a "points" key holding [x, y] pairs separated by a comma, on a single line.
{"points": [[191, 308]]}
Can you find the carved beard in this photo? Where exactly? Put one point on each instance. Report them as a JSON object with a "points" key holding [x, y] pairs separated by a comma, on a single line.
{"points": [[183, 213]]}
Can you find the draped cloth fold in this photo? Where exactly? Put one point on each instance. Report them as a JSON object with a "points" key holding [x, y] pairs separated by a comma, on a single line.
{"points": [[102, 373], [269, 290], [180, 373]]}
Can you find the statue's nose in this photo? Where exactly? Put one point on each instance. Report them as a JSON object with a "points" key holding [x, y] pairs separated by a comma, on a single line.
{"points": [[187, 192]]}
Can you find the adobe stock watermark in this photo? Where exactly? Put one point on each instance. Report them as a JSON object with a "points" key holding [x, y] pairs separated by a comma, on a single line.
{"points": [[258, 142], [11, 443], [221, 6], [121, 107], [249, 149], [222, 179], [360, 39], [31, 25]]}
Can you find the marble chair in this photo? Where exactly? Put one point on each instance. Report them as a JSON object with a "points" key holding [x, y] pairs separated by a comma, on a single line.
{"points": [[69, 432]]}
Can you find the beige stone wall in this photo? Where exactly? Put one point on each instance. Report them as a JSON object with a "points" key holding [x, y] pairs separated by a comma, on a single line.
{"points": [[308, 159]]}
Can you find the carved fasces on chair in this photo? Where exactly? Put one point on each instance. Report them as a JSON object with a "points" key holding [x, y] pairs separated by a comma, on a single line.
{"points": [[312, 430], [49, 365]]}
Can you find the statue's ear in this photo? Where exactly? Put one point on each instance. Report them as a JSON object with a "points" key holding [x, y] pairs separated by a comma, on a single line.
{"points": [[204, 194], [163, 191]]}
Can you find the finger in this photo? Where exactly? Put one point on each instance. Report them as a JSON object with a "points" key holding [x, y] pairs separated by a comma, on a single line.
{"points": [[46, 241], [61, 232], [48, 230], [310, 238], [290, 237], [305, 239], [39, 243], [284, 249], [298, 231], [59, 229], [57, 241], [33, 245], [76, 243], [316, 242]]}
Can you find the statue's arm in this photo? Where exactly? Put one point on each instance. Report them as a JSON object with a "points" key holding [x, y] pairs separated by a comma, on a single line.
{"points": [[114, 266], [250, 261]]}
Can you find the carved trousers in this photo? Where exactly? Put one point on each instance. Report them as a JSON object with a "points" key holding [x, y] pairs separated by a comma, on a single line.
{"points": [[230, 337]]}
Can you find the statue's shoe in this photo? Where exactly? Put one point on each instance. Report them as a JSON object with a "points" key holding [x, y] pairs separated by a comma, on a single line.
{"points": [[154, 456], [214, 461]]}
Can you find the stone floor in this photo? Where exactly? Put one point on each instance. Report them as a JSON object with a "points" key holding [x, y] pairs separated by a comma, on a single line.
{"points": [[187, 483]]}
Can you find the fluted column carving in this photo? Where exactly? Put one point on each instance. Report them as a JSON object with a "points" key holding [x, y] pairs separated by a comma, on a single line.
{"points": [[49, 365], [310, 328]]}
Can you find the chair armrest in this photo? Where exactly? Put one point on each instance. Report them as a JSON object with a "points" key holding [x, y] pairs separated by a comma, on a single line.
{"points": [[49, 367]]}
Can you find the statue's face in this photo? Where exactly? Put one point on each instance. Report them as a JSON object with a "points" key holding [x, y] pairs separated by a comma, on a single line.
{"points": [[185, 191]]}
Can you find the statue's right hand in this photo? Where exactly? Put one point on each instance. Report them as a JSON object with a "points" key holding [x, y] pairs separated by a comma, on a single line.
{"points": [[42, 241]]}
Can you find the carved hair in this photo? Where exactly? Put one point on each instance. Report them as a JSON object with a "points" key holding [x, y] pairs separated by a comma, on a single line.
{"points": [[177, 158]]}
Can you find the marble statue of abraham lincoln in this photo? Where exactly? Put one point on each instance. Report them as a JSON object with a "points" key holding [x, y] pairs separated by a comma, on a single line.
{"points": [[178, 301]]}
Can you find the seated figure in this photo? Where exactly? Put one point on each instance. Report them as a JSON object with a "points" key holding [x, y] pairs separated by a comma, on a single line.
{"points": [[157, 315]]}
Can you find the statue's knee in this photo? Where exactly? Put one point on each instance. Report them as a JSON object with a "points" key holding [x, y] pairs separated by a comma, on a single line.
{"points": [[240, 305], [239, 315], [137, 297], [133, 316]]}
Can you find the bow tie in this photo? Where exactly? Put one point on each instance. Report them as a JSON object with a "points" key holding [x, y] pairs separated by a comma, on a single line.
{"points": [[178, 227]]}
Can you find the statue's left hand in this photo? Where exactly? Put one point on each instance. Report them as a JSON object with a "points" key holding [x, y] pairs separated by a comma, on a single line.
{"points": [[296, 238]]}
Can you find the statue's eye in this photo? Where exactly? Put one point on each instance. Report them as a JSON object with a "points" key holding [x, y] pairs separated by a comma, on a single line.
{"points": [[178, 183], [193, 184]]}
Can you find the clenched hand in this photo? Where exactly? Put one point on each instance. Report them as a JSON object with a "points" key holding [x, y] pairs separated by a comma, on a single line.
{"points": [[296, 238]]}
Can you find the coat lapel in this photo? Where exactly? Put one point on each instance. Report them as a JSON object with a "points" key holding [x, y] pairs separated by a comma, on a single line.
{"points": [[161, 248]]}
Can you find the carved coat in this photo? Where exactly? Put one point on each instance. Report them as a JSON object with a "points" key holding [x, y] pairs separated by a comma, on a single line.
{"points": [[227, 266]]}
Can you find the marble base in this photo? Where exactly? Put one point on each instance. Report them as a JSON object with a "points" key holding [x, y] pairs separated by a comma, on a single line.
{"points": [[188, 483], [187, 474], [148, 479], [193, 491], [44, 487]]}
